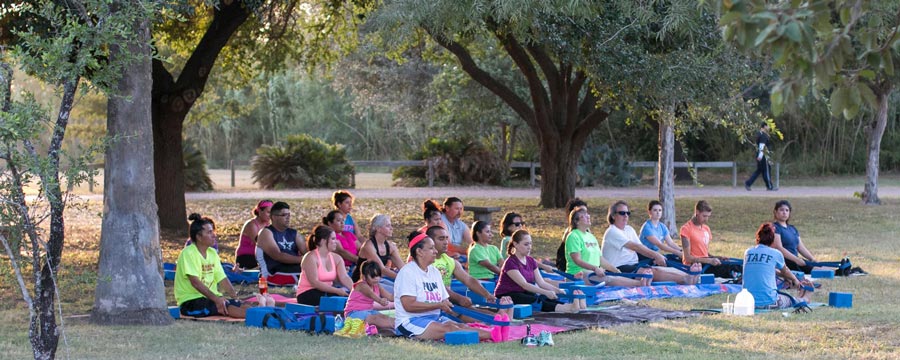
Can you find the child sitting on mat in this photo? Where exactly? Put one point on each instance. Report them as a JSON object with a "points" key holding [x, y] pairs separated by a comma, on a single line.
{"points": [[366, 292]]}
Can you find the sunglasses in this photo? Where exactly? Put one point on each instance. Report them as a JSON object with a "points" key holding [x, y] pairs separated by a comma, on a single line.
{"points": [[519, 223], [624, 213]]}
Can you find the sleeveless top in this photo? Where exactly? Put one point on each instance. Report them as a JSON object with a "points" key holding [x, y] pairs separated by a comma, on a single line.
{"points": [[384, 259], [357, 301], [285, 240], [322, 273], [247, 246]]}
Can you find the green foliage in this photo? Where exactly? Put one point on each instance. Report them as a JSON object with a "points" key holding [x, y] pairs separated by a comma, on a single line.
{"points": [[849, 46], [600, 164], [302, 162], [455, 162], [196, 177]]}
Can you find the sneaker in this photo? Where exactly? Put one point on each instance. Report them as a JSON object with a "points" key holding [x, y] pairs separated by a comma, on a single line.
{"points": [[747, 187], [530, 341], [772, 189], [856, 271], [545, 338]]}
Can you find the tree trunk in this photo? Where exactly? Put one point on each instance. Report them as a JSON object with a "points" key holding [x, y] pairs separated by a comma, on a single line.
{"points": [[558, 169], [666, 174], [870, 193], [172, 100], [129, 283]]}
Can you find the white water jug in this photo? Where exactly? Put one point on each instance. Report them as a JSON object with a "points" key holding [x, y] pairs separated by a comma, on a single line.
{"points": [[744, 304]]}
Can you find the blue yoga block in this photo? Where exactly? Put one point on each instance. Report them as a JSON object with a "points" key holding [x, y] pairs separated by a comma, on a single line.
{"points": [[569, 284], [333, 304], [475, 297], [588, 290], [175, 311], [664, 283], [461, 337], [798, 274], [488, 285], [707, 279], [169, 266], [822, 274], [300, 308], [840, 300], [169, 274], [458, 287], [522, 311]]}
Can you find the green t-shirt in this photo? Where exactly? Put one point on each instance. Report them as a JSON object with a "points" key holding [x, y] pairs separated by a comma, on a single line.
{"points": [[585, 244], [446, 265], [504, 244], [479, 252], [208, 269]]}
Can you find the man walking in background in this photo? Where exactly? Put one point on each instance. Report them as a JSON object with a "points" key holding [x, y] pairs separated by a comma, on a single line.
{"points": [[762, 163]]}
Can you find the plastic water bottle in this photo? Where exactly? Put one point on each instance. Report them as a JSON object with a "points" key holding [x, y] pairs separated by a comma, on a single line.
{"points": [[744, 304], [338, 322], [263, 285]]}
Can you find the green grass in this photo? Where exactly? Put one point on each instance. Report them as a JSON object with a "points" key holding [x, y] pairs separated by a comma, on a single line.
{"points": [[830, 227]]}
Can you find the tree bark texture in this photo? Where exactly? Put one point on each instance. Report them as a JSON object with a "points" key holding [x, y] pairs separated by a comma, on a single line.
{"points": [[666, 173], [130, 285], [561, 113], [172, 100], [876, 132]]}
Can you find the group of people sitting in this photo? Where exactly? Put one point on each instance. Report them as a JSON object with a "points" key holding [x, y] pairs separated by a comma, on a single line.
{"points": [[333, 260]]}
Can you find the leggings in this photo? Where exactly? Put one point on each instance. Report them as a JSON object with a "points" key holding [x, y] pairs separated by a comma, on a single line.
{"points": [[523, 297]]}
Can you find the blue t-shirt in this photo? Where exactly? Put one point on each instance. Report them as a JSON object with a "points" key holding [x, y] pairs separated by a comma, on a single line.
{"points": [[760, 263], [660, 231], [349, 224], [790, 237]]}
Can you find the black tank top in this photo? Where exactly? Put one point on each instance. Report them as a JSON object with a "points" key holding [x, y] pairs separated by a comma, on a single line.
{"points": [[384, 259]]}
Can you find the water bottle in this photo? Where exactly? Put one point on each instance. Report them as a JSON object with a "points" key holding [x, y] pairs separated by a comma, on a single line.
{"points": [[338, 322], [744, 304], [263, 285]]}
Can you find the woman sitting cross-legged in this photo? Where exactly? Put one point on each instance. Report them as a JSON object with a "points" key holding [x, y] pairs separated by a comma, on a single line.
{"points": [[582, 252], [423, 296], [484, 257], [521, 280], [761, 264], [321, 266]]}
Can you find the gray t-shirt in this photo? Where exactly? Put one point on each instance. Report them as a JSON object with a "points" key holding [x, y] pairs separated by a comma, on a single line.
{"points": [[456, 230]]}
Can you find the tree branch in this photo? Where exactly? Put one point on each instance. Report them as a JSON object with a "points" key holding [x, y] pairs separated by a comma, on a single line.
{"points": [[485, 79], [536, 88]]}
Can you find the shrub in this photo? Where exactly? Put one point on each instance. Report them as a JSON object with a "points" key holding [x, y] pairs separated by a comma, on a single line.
{"points": [[196, 176], [599, 164], [302, 162], [456, 162]]}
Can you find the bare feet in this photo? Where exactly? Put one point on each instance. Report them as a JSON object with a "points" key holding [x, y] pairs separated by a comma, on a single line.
{"points": [[506, 300]]}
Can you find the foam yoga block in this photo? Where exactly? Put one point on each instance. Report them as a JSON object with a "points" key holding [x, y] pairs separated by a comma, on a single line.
{"points": [[707, 279], [332, 303], [175, 311], [840, 300], [822, 274], [666, 283], [522, 311], [461, 337]]}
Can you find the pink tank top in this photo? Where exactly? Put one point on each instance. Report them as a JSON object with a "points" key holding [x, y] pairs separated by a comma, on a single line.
{"points": [[358, 301], [324, 275], [246, 246]]}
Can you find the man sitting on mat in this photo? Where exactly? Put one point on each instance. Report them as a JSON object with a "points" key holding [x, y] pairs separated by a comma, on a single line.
{"points": [[450, 267], [199, 274], [695, 239]]}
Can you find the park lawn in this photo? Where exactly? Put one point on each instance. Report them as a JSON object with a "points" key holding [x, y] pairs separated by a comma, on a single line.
{"points": [[830, 227]]}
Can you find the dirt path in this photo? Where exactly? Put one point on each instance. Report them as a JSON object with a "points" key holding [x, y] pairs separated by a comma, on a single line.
{"points": [[499, 192]]}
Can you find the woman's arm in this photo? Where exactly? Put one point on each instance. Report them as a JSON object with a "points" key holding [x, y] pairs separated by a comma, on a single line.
{"points": [[345, 254], [690, 259], [487, 265], [517, 277], [804, 251], [342, 276], [576, 258], [658, 258], [368, 252], [411, 305], [777, 245], [396, 261]]}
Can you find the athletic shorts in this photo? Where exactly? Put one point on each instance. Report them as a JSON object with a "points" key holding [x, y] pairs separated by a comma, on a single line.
{"points": [[202, 307], [361, 314], [416, 326]]}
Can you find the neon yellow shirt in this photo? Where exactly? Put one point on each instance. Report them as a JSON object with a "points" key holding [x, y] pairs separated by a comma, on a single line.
{"points": [[208, 269]]}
